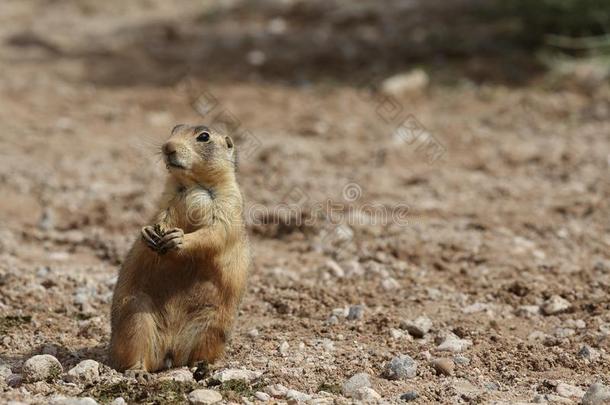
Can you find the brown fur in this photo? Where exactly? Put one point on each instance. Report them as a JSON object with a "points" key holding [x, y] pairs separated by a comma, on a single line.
{"points": [[177, 296]]}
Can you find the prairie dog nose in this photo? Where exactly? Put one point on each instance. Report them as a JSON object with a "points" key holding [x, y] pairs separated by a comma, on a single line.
{"points": [[169, 148]]}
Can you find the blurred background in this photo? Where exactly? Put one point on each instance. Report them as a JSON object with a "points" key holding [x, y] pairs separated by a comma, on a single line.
{"points": [[464, 144]]}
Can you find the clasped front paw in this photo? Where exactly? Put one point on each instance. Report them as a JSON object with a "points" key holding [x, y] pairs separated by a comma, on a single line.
{"points": [[161, 241], [171, 240]]}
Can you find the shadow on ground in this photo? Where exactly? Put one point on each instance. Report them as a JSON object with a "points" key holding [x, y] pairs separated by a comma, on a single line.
{"points": [[300, 42]]}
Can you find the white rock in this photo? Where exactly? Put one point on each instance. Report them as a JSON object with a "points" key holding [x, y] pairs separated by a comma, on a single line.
{"points": [[177, 374], [73, 401], [569, 391], [575, 324], [555, 305], [367, 395], [476, 307], [204, 397], [297, 396], [405, 83], [5, 371], [528, 311], [401, 368], [354, 383], [236, 374], [454, 344], [353, 268], [563, 333], [418, 327], [119, 401], [335, 269], [41, 367], [283, 348], [87, 371], [276, 390], [253, 333], [597, 394], [262, 396], [390, 284], [396, 333]]}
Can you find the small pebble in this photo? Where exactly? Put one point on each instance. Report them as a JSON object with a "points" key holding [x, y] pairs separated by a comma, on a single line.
{"points": [[236, 374], [443, 366], [569, 391], [276, 390], [418, 327], [355, 312], [401, 368], [367, 395], [335, 269], [283, 348], [588, 353], [183, 375], [87, 371], [409, 396], [396, 333], [527, 311], [14, 380], [253, 333], [262, 396], [42, 367], [454, 344], [119, 401], [297, 396], [390, 284], [204, 397], [555, 305], [5, 371], [354, 383], [73, 401], [597, 394]]}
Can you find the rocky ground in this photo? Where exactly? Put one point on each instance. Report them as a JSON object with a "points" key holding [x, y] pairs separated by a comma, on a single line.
{"points": [[413, 240]]}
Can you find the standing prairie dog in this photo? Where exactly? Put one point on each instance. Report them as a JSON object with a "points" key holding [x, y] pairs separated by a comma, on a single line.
{"points": [[180, 286]]}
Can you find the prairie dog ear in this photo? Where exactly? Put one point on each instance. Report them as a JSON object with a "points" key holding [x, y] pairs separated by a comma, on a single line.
{"points": [[177, 128], [230, 144]]}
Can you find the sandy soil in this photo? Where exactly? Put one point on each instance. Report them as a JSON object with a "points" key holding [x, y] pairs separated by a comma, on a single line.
{"points": [[507, 208]]}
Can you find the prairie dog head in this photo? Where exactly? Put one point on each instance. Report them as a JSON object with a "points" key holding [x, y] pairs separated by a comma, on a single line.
{"points": [[198, 154]]}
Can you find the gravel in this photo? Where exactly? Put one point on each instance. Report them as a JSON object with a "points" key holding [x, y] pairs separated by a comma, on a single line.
{"points": [[42, 367], [401, 368]]}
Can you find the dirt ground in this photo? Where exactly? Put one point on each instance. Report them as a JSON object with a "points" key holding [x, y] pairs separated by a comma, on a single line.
{"points": [[505, 205]]}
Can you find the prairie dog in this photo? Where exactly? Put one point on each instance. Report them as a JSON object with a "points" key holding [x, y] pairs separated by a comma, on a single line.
{"points": [[180, 286]]}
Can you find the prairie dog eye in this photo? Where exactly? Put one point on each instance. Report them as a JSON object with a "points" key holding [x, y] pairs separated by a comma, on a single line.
{"points": [[203, 137]]}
